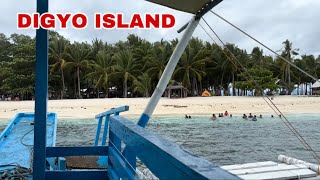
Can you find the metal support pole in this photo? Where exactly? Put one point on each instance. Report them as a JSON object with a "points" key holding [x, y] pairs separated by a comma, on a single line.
{"points": [[41, 96], [166, 76]]}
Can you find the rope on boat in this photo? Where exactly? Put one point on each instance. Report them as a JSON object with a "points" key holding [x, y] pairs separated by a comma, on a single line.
{"points": [[30, 146], [22, 138], [14, 171], [275, 109]]}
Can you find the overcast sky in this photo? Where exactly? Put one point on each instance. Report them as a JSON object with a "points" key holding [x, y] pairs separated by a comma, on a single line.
{"points": [[271, 21]]}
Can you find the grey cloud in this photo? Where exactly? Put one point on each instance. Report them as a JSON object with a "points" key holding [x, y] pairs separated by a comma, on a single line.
{"points": [[271, 21]]}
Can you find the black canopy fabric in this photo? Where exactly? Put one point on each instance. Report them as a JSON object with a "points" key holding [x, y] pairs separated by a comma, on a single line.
{"points": [[190, 6]]}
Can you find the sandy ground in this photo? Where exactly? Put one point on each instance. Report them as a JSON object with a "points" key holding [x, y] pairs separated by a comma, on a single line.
{"points": [[88, 108]]}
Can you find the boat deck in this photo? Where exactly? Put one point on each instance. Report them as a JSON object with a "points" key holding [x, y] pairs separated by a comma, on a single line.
{"points": [[271, 170], [16, 144]]}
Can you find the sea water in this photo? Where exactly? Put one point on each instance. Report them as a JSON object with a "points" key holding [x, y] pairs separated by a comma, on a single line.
{"points": [[234, 140], [223, 142]]}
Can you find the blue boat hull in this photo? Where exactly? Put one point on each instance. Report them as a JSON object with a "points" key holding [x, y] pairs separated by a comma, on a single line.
{"points": [[16, 141]]}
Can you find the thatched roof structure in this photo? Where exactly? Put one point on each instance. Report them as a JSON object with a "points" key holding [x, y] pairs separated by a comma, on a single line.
{"points": [[176, 91]]}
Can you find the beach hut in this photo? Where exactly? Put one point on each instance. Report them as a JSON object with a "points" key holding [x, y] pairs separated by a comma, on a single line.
{"points": [[176, 91], [283, 88], [316, 88]]}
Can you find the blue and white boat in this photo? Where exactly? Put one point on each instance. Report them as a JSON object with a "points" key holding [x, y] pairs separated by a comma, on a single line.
{"points": [[28, 148]]}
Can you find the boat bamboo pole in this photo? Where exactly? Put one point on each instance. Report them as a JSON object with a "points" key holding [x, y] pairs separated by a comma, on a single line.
{"points": [[293, 161], [167, 73]]}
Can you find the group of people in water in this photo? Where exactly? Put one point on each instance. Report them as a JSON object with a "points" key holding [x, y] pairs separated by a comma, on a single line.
{"points": [[225, 114], [188, 117], [253, 118]]}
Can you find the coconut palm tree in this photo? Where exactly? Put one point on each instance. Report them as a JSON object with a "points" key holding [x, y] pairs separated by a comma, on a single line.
{"points": [[312, 64], [257, 58], [78, 58], [288, 53], [57, 50], [102, 69], [318, 65], [191, 67], [213, 68], [157, 59], [141, 53], [230, 63], [143, 85], [97, 45], [125, 67]]}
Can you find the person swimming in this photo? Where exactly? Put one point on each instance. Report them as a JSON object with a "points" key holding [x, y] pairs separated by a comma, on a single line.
{"points": [[220, 114], [245, 116], [186, 117], [226, 113], [230, 115], [260, 116], [189, 117], [254, 118], [250, 115], [272, 116], [214, 117]]}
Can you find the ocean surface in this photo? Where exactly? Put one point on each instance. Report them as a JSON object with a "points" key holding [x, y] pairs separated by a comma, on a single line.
{"points": [[223, 142]]}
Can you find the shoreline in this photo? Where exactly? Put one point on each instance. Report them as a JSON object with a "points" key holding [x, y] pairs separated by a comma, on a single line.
{"points": [[135, 117], [197, 106]]}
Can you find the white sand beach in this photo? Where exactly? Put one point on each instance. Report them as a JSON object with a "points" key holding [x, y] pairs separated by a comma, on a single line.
{"points": [[88, 108]]}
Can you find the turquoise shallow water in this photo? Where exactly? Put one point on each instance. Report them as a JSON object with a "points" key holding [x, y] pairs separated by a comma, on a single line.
{"points": [[225, 141], [234, 140]]}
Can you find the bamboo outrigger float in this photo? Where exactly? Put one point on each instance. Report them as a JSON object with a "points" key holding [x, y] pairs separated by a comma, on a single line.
{"points": [[163, 158]]}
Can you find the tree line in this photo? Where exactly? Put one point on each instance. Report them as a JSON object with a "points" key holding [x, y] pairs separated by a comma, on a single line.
{"points": [[132, 68]]}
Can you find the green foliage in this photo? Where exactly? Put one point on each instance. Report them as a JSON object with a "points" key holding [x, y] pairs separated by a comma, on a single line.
{"points": [[18, 74], [191, 67], [258, 78], [136, 65], [157, 59], [78, 57], [101, 70], [125, 68], [143, 85], [57, 52]]}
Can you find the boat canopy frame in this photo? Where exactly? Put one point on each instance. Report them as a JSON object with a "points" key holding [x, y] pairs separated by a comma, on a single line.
{"points": [[41, 84]]}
